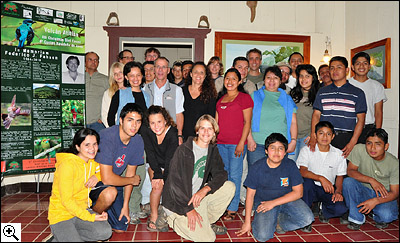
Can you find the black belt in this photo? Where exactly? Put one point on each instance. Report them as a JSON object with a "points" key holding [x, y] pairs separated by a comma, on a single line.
{"points": [[337, 132]]}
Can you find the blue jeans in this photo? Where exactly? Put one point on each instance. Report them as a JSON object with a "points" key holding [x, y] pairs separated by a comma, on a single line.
{"points": [[313, 193], [355, 192], [96, 126], [299, 145], [234, 166], [256, 155], [292, 215]]}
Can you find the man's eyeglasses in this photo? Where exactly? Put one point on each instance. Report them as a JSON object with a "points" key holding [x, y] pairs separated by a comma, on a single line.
{"points": [[129, 58]]}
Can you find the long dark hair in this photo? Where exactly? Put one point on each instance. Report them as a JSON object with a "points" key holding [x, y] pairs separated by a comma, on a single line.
{"points": [[79, 137], [208, 90], [240, 87], [297, 93]]}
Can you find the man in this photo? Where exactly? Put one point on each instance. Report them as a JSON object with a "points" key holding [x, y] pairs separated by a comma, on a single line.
{"points": [[242, 65], [295, 59], [324, 75], [96, 84], [149, 71], [164, 94], [125, 56], [177, 72], [196, 197], [343, 105], [373, 182], [255, 57], [151, 54], [286, 70], [374, 92], [72, 76], [120, 148], [186, 68]]}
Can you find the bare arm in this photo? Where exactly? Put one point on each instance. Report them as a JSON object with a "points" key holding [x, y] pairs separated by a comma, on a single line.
{"points": [[179, 125], [295, 194], [313, 137], [293, 134], [356, 134], [247, 114], [110, 178], [246, 227], [379, 114]]}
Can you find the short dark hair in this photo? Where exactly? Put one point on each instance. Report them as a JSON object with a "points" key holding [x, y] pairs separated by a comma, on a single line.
{"points": [[322, 124], [273, 69], [92, 52], [148, 62], [130, 107], [186, 62], [152, 49], [361, 54], [121, 54], [80, 136], [177, 64], [127, 68], [255, 50], [321, 67], [276, 137], [72, 57], [380, 133], [294, 53], [239, 59], [339, 59]]}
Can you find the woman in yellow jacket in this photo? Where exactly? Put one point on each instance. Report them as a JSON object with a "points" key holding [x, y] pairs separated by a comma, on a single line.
{"points": [[70, 216]]}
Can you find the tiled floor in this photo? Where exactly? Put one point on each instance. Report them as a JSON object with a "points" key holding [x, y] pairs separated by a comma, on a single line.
{"points": [[30, 209]]}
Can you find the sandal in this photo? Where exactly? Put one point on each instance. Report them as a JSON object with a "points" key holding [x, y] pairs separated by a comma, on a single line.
{"points": [[149, 222], [229, 216], [219, 230]]}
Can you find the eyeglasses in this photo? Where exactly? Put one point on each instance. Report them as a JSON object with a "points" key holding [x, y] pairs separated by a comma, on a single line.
{"points": [[283, 71], [161, 67], [130, 58]]}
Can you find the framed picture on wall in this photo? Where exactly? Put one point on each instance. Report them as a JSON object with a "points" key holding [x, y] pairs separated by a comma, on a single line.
{"points": [[274, 48], [379, 52]]}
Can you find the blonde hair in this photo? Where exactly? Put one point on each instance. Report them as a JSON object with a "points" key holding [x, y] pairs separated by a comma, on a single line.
{"points": [[214, 124], [113, 84]]}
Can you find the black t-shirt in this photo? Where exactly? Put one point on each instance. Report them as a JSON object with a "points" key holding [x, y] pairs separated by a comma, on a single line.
{"points": [[139, 100]]}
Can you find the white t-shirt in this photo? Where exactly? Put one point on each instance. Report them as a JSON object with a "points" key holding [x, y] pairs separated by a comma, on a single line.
{"points": [[334, 164], [66, 78], [374, 93]]}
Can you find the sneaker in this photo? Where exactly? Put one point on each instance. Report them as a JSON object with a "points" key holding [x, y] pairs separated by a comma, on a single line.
{"points": [[381, 225], [322, 218], [134, 218], [49, 238], [353, 226], [316, 208], [219, 230], [244, 212], [344, 219], [307, 229]]}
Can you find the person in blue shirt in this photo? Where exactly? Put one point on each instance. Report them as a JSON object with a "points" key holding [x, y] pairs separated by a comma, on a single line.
{"points": [[121, 148], [274, 190]]}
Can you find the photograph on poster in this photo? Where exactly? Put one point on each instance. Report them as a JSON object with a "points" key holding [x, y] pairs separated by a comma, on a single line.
{"points": [[15, 114], [73, 69], [46, 91], [72, 113], [46, 146]]}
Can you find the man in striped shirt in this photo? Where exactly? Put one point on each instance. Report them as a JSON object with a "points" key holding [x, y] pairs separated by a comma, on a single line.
{"points": [[343, 105]]}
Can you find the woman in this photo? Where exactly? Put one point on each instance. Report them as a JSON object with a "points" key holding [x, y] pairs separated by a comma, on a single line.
{"points": [[133, 73], [196, 197], [116, 81], [200, 98], [234, 111], [160, 143], [76, 173], [274, 112], [303, 95], [215, 67]]}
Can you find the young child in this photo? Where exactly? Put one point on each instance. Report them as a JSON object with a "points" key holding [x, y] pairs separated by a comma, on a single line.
{"points": [[274, 190], [323, 172], [373, 182]]}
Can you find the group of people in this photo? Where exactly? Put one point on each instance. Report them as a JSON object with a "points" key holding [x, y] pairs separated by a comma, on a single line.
{"points": [[183, 150]]}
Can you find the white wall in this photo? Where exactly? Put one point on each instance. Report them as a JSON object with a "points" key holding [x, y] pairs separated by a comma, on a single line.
{"points": [[348, 24]]}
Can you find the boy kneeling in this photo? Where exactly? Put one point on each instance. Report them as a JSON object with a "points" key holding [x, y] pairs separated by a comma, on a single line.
{"points": [[275, 186]]}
